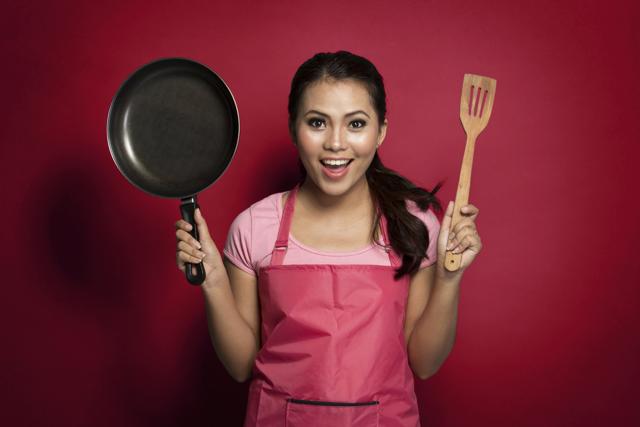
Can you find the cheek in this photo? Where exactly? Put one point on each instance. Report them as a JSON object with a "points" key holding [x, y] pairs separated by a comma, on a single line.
{"points": [[308, 137], [363, 144], [307, 147], [310, 148]]}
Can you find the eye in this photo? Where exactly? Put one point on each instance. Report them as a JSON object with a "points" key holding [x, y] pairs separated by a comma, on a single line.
{"points": [[357, 124], [315, 122]]}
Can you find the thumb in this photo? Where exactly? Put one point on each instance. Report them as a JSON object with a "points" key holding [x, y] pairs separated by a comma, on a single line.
{"points": [[446, 221], [203, 230]]}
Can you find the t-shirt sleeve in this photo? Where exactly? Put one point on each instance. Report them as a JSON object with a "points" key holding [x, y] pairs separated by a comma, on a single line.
{"points": [[237, 248], [430, 220]]}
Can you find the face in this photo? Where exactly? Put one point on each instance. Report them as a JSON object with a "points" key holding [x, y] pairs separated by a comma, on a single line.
{"points": [[337, 134]]}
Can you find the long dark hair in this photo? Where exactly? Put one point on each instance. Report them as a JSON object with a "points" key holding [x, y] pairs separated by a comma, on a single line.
{"points": [[407, 234]]}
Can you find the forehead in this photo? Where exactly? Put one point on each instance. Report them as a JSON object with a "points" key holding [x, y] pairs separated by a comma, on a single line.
{"points": [[336, 95]]}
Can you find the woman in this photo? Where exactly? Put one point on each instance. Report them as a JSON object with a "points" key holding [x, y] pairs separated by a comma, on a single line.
{"points": [[333, 294]]}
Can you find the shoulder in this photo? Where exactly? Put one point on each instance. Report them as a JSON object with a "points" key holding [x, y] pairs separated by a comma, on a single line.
{"points": [[252, 233], [432, 224], [428, 217], [258, 216], [266, 206]]}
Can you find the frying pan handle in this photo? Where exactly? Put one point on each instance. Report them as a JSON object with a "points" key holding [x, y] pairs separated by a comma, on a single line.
{"points": [[188, 208]]}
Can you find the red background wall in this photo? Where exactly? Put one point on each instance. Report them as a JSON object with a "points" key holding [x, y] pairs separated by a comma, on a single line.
{"points": [[98, 326]]}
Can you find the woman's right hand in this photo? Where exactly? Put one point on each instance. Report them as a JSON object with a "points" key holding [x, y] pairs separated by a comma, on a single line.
{"points": [[189, 250]]}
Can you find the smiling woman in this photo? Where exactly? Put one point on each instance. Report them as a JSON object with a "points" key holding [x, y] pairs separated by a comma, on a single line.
{"points": [[337, 110], [322, 297]]}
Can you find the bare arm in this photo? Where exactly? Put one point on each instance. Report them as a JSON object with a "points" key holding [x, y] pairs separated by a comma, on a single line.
{"points": [[231, 317], [430, 328], [432, 308], [231, 301]]}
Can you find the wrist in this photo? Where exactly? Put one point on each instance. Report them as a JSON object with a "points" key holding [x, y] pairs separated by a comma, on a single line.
{"points": [[214, 282], [448, 278]]}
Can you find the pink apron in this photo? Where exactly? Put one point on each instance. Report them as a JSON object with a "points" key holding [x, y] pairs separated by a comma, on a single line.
{"points": [[333, 350]]}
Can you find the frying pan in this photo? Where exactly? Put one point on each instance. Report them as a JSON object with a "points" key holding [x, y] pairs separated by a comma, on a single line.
{"points": [[173, 129]]}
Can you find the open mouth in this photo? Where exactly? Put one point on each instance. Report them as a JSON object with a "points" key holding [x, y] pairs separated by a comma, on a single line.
{"points": [[335, 169], [336, 165]]}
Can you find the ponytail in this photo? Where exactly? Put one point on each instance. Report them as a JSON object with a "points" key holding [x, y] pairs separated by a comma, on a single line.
{"points": [[408, 235]]}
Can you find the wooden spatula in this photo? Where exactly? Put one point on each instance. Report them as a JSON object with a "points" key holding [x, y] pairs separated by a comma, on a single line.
{"points": [[476, 102]]}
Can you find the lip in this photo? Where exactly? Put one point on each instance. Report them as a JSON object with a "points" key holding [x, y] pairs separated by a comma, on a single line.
{"points": [[333, 174]]}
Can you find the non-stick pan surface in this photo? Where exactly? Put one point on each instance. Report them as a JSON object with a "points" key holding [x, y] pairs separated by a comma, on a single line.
{"points": [[173, 129]]}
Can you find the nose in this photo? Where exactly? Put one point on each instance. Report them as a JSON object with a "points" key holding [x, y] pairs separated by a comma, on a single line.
{"points": [[336, 139]]}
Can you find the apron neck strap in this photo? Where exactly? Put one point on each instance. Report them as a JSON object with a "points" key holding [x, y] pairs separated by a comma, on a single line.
{"points": [[282, 241], [393, 257]]}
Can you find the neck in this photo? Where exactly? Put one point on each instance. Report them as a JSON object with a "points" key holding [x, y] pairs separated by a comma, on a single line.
{"points": [[354, 203]]}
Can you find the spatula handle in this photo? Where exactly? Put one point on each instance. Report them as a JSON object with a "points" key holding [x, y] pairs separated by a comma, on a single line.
{"points": [[452, 261]]}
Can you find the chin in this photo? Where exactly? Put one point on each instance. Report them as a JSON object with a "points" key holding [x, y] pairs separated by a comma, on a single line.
{"points": [[336, 188]]}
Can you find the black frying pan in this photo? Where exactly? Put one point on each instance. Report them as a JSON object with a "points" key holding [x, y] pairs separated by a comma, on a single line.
{"points": [[172, 129]]}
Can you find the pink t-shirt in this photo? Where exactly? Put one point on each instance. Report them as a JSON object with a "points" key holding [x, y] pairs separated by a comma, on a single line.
{"points": [[253, 233]]}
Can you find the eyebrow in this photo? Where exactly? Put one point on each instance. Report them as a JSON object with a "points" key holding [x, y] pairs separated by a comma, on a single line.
{"points": [[346, 115]]}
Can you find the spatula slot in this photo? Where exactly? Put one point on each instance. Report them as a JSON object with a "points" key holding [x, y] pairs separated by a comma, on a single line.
{"points": [[484, 99], [475, 110]]}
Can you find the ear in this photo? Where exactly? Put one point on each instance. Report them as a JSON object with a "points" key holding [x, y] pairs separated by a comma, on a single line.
{"points": [[382, 132]]}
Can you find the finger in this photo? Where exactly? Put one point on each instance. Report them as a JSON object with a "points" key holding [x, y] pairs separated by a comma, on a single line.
{"points": [[182, 235], [447, 219], [462, 228], [470, 210], [461, 246], [468, 241], [185, 247], [465, 223], [185, 257], [184, 225], [458, 237], [179, 261]]}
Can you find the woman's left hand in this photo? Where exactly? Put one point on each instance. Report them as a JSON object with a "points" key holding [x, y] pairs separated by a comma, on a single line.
{"points": [[464, 238]]}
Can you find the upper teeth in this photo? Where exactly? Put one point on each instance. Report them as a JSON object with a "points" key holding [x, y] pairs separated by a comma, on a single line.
{"points": [[335, 162]]}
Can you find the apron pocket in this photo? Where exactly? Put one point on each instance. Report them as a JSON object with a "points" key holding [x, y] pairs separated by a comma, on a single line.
{"points": [[319, 413]]}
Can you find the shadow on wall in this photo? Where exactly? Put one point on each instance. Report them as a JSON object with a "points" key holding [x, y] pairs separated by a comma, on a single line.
{"points": [[274, 168], [91, 271]]}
